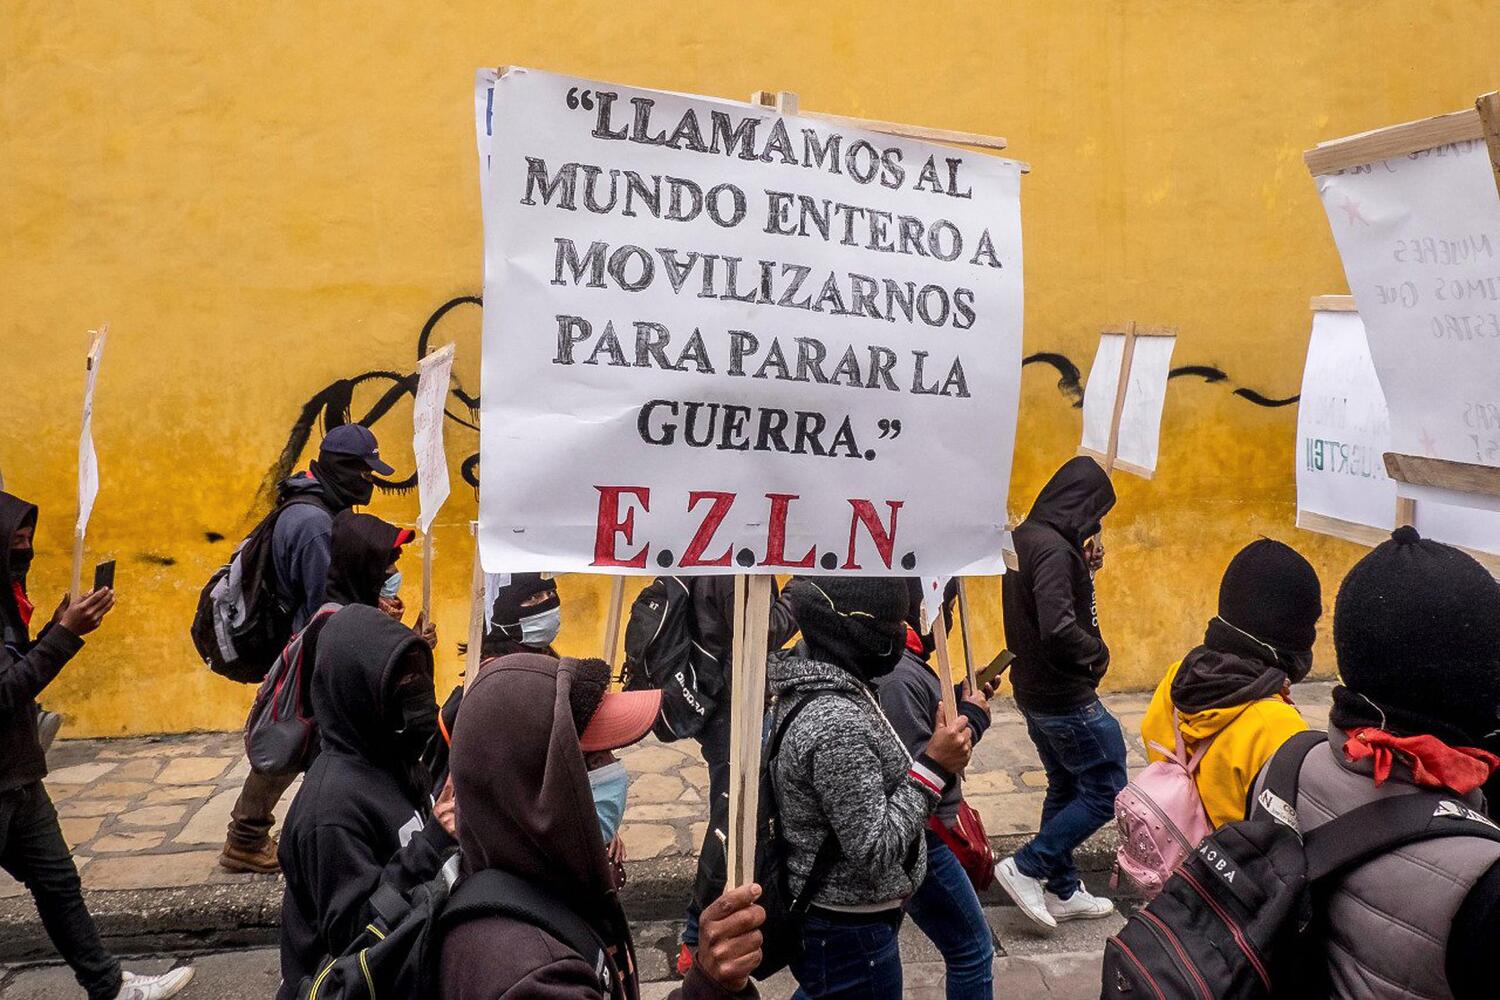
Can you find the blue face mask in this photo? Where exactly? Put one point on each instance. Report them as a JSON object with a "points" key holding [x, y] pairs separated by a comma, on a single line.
{"points": [[392, 586], [610, 785], [541, 630]]}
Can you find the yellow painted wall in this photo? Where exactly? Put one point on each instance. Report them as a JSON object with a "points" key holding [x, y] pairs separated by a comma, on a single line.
{"points": [[265, 198]]}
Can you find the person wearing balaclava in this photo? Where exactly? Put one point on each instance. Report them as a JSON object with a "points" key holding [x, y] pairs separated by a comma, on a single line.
{"points": [[1416, 628], [527, 808], [1052, 626], [364, 552], [1231, 696], [364, 815], [525, 618], [32, 847], [853, 801]]}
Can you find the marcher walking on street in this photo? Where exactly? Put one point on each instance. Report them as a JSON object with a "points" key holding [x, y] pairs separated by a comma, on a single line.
{"points": [[341, 477], [32, 849], [1052, 626]]}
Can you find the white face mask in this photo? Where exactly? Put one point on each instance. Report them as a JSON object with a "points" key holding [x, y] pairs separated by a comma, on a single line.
{"points": [[541, 629], [392, 586], [610, 786]]}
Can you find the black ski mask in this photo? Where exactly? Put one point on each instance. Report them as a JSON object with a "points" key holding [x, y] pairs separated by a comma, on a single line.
{"points": [[345, 478], [413, 715], [20, 564], [852, 622]]}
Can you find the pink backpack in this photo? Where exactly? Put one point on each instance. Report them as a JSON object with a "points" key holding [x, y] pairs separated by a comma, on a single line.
{"points": [[1160, 818]]}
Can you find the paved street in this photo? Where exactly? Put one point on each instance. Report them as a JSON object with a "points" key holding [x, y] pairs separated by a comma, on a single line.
{"points": [[1064, 966]]}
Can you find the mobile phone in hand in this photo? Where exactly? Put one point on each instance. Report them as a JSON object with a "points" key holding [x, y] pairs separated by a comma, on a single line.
{"points": [[995, 668], [104, 575]]}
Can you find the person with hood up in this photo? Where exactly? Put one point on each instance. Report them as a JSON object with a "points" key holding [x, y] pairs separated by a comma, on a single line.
{"points": [[1052, 625], [1416, 628], [341, 477], [32, 848], [364, 815], [364, 553], [853, 801], [528, 809], [1235, 689], [945, 906]]}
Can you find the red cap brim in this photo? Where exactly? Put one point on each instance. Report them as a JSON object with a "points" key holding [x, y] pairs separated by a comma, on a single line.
{"points": [[623, 718]]}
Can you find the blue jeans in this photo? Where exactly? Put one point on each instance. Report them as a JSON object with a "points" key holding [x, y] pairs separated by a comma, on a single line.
{"points": [[855, 959], [947, 910], [1083, 753]]}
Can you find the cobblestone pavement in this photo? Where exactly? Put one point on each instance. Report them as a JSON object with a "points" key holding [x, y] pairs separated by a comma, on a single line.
{"points": [[150, 813]]}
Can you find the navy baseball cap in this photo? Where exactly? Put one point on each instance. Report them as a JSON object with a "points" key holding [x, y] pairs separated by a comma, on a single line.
{"points": [[359, 440]]}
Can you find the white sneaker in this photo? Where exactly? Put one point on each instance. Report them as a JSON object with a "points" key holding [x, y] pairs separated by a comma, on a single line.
{"points": [[1082, 905], [155, 987], [1027, 892]]}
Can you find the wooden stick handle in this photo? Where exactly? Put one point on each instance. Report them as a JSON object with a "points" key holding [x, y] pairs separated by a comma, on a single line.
{"points": [[744, 799], [612, 619], [75, 590], [968, 636], [737, 703], [477, 615], [427, 574], [1127, 357]]}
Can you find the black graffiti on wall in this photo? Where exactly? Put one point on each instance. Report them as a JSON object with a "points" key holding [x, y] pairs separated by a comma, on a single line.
{"points": [[334, 403]]}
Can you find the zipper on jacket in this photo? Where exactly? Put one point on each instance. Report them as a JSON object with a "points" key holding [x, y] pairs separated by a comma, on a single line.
{"points": [[1165, 933], [1229, 921], [1150, 979]]}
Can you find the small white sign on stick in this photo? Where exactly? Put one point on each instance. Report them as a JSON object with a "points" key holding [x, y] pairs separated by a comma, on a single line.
{"points": [[432, 461], [1136, 437], [88, 458]]}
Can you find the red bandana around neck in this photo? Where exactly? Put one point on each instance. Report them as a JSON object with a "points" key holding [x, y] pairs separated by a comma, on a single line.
{"points": [[914, 642], [22, 604], [1433, 763]]}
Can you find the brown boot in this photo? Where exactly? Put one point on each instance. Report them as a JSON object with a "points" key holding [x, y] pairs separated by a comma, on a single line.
{"points": [[257, 861]]}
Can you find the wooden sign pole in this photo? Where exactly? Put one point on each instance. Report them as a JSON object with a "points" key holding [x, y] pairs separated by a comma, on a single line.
{"points": [[96, 348], [612, 617], [1488, 106], [945, 665], [968, 636], [427, 575], [477, 614], [1127, 357]]}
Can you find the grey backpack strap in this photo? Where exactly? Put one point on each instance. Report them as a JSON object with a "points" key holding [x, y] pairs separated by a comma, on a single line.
{"points": [[1380, 827]]}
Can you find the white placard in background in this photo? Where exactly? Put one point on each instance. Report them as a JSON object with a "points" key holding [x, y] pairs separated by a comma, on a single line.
{"points": [[1145, 395], [1343, 431], [427, 434], [720, 339], [1420, 240], [88, 459]]}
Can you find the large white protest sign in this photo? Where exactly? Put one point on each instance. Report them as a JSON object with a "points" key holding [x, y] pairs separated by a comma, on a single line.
{"points": [[719, 338], [1139, 432], [1343, 430], [1419, 235], [427, 434], [88, 458]]}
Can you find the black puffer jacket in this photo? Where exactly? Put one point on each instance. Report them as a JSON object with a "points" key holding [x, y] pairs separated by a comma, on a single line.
{"points": [[358, 820], [1051, 622], [26, 667]]}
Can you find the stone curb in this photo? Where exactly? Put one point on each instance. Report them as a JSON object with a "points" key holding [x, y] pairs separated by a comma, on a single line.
{"points": [[247, 913]]}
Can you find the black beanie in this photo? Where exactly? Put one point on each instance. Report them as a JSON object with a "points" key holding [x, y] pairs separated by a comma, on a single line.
{"points": [[507, 612], [1417, 630], [1273, 593]]}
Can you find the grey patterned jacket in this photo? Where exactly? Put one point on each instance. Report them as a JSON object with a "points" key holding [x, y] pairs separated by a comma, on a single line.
{"points": [[842, 769]]}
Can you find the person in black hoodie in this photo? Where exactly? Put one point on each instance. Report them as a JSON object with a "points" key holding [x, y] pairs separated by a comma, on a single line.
{"points": [[32, 848], [365, 551], [1052, 626], [363, 815]]}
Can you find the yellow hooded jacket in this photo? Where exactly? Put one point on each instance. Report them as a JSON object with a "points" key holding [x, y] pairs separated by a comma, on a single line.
{"points": [[1248, 734]]}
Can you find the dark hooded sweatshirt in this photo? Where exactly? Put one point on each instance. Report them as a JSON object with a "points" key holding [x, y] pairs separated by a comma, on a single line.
{"points": [[1051, 622], [301, 545], [26, 667], [359, 818], [525, 808]]}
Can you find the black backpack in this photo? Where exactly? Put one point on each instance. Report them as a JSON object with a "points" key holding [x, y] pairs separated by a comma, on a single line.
{"points": [[781, 935], [1238, 919], [241, 624], [661, 651], [397, 954]]}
